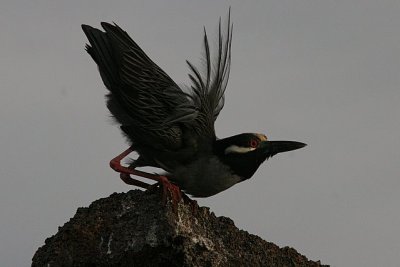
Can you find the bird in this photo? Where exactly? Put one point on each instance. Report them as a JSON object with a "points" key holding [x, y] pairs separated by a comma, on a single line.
{"points": [[171, 126]]}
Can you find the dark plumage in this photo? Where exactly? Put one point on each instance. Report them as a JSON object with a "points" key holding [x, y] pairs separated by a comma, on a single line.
{"points": [[173, 129]]}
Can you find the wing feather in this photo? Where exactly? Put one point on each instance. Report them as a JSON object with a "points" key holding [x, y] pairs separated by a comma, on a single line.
{"points": [[144, 99], [209, 87]]}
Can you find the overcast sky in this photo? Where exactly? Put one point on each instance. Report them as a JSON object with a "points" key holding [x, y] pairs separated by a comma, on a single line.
{"points": [[324, 72]]}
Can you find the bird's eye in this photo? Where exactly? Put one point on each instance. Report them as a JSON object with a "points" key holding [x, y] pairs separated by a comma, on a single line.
{"points": [[254, 143]]}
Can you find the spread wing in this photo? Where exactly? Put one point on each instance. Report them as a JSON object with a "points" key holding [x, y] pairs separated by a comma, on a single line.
{"points": [[208, 86], [144, 99], [150, 106]]}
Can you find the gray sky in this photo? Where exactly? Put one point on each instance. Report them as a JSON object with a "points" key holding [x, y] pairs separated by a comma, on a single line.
{"points": [[323, 72]]}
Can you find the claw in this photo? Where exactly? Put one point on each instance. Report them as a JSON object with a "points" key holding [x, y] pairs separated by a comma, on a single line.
{"points": [[170, 191]]}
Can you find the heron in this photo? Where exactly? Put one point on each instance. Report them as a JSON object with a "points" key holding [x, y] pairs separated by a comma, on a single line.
{"points": [[171, 126]]}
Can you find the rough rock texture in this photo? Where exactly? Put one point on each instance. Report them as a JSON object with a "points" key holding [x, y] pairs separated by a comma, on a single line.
{"points": [[135, 229]]}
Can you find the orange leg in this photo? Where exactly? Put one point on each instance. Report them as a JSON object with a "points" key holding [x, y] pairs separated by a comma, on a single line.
{"points": [[125, 172]]}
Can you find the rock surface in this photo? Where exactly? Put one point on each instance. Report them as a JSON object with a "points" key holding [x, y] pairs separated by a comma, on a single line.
{"points": [[135, 229]]}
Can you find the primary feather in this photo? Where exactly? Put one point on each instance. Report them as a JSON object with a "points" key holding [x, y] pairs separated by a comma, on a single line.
{"points": [[148, 104]]}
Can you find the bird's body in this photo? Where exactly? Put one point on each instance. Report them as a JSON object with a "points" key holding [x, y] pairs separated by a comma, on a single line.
{"points": [[171, 128]]}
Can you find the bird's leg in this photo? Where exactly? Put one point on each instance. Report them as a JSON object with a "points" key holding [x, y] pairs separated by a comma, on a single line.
{"points": [[125, 172], [115, 164], [128, 180]]}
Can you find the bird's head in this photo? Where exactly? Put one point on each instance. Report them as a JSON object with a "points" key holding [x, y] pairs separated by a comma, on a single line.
{"points": [[244, 153]]}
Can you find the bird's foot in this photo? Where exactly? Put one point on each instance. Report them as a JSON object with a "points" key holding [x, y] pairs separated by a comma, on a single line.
{"points": [[170, 191], [173, 192]]}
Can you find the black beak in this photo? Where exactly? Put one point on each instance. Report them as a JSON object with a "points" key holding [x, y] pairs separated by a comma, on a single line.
{"points": [[271, 148]]}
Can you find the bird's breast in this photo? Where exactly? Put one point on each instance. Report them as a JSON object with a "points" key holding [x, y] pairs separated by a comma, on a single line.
{"points": [[204, 177]]}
